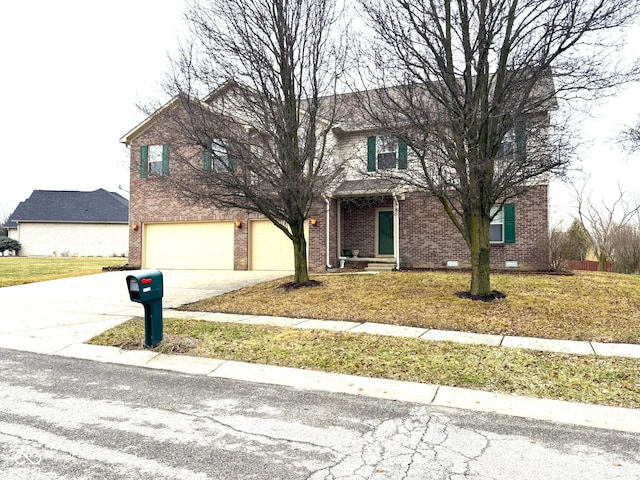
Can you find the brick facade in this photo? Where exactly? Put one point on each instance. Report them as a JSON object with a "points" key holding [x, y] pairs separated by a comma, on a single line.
{"points": [[153, 201], [427, 237]]}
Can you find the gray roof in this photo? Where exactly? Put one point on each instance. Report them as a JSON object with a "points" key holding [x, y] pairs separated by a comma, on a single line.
{"points": [[365, 187], [366, 110], [98, 206]]}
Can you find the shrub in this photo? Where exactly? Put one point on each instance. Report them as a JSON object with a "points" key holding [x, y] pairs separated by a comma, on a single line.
{"points": [[9, 245], [626, 249], [557, 247]]}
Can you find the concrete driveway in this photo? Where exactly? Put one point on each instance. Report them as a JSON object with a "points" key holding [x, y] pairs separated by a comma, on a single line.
{"points": [[46, 317]]}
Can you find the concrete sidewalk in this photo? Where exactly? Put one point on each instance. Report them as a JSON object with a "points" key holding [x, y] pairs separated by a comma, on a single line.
{"points": [[56, 317], [542, 344]]}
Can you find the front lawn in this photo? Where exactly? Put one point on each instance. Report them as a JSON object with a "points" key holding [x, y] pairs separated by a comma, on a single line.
{"points": [[593, 306], [19, 270]]}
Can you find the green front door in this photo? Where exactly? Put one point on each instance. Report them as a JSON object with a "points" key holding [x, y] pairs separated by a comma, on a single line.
{"points": [[385, 232]]}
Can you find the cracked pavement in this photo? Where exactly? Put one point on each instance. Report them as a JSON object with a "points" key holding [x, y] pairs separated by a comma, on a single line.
{"points": [[75, 419]]}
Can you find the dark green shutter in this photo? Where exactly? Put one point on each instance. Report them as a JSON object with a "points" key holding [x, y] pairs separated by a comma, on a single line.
{"points": [[521, 140], [165, 160], [144, 161], [371, 154], [509, 210], [233, 163], [402, 155], [206, 159]]}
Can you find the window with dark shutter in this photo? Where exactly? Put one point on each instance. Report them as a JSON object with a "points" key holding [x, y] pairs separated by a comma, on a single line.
{"points": [[386, 152], [503, 224], [154, 160], [515, 142]]}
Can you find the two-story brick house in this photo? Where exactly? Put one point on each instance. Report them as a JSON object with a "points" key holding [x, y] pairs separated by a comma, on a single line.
{"points": [[361, 214]]}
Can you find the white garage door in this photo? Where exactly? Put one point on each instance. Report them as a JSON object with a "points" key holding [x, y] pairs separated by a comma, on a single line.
{"points": [[269, 247], [190, 246]]}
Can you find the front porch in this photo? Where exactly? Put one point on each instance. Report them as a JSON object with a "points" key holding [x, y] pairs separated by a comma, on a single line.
{"points": [[367, 226]]}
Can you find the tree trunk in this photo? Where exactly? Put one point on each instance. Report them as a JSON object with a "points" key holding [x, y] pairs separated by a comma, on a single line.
{"points": [[301, 274], [602, 262], [480, 250]]}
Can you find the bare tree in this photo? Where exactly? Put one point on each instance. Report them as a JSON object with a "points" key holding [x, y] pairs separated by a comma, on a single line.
{"points": [[630, 137], [4, 218], [256, 82], [605, 222], [468, 85], [626, 248]]}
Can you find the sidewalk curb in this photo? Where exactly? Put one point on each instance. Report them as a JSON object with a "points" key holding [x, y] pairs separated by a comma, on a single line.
{"points": [[572, 347], [594, 416]]}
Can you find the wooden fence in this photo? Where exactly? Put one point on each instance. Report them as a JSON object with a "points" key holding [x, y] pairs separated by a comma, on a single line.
{"points": [[589, 265]]}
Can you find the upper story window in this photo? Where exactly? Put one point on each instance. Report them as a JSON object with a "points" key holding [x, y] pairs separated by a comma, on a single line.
{"points": [[216, 157], [514, 142], [386, 152], [154, 160]]}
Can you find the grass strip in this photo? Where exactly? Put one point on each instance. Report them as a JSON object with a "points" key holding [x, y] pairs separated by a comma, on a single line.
{"points": [[587, 379]]}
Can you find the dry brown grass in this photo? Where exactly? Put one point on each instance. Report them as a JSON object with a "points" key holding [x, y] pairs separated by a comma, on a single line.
{"points": [[587, 379], [587, 306]]}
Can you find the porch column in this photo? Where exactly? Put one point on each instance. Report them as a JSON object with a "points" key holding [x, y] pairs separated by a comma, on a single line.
{"points": [[396, 229], [328, 230], [339, 226]]}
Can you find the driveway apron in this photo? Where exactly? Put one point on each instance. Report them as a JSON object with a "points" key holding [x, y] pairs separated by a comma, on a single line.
{"points": [[46, 317]]}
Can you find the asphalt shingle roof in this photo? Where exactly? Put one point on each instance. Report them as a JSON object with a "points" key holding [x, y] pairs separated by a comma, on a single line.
{"points": [[365, 187], [98, 206]]}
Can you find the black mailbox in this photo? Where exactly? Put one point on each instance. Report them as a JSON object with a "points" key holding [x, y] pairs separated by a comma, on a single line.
{"points": [[146, 287]]}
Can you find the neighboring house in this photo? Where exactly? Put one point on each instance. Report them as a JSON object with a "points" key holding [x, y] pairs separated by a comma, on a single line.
{"points": [[382, 222], [71, 223]]}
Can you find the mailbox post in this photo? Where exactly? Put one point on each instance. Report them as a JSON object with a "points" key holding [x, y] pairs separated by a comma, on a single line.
{"points": [[146, 287]]}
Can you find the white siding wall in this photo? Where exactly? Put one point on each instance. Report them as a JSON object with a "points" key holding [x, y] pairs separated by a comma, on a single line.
{"points": [[89, 239], [353, 148]]}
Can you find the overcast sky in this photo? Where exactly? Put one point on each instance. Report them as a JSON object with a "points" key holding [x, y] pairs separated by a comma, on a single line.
{"points": [[73, 71]]}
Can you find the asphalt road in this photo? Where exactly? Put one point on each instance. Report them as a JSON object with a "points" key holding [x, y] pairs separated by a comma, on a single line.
{"points": [[63, 418]]}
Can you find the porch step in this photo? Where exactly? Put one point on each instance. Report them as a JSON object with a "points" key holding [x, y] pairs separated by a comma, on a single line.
{"points": [[380, 267]]}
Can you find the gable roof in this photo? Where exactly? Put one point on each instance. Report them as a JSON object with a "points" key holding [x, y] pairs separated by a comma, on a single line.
{"points": [[98, 206], [347, 112], [172, 104], [214, 103], [147, 122]]}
